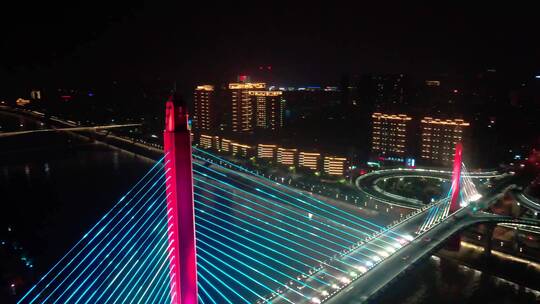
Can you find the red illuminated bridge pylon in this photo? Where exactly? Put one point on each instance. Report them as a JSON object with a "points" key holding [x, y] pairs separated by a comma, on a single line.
{"points": [[456, 179], [180, 206]]}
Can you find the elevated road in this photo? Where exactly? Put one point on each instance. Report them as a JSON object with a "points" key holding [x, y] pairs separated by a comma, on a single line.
{"points": [[72, 129], [367, 184], [391, 269], [527, 201]]}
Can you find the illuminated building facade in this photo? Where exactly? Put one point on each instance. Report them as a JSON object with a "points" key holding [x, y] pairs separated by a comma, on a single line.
{"points": [[215, 143], [391, 136], [335, 166], [286, 156], [226, 145], [35, 94], [22, 101], [204, 108], [266, 151], [309, 160], [439, 139], [206, 141], [269, 109], [242, 106], [241, 150]]}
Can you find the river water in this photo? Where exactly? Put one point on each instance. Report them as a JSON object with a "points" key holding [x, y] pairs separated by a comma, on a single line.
{"points": [[53, 187]]}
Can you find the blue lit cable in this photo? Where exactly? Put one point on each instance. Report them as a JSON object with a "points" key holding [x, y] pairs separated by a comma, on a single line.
{"points": [[278, 220], [278, 212], [146, 249], [258, 252], [164, 284], [287, 248], [203, 279], [164, 263], [141, 245], [255, 260], [309, 204], [283, 186], [204, 260], [161, 248], [201, 267], [281, 229], [95, 247], [203, 290], [277, 235], [139, 284], [161, 254], [96, 225], [103, 249]]}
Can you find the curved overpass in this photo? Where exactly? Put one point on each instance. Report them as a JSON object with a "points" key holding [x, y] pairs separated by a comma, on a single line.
{"points": [[527, 201], [367, 183]]}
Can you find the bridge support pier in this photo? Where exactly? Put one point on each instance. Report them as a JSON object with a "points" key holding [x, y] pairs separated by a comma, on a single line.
{"points": [[488, 238], [516, 241], [454, 242], [180, 205]]}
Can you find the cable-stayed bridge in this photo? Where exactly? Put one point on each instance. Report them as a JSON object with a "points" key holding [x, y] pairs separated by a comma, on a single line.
{"points": [[257, 241]]}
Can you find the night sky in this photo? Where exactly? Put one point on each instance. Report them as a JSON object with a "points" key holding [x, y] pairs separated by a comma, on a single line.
{"points": [[81, 44]]}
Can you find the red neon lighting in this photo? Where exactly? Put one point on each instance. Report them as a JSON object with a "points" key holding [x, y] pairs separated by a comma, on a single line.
{"points": [[180, 207], [456, 174]]}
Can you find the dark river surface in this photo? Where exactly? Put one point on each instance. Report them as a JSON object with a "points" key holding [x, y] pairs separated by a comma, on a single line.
{"points": [[54, 186]]}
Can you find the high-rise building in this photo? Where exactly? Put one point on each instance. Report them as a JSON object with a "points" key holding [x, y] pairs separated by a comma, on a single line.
{"points": [[335, 165], [242, 106], [286, 156], [439, 139], [309, 160], [391, 136], [204, 112], [266, 151], [388, 91], [269, 109]]}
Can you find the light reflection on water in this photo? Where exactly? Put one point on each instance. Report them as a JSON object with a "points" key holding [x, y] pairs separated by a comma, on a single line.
{"points": [[440, 280]]}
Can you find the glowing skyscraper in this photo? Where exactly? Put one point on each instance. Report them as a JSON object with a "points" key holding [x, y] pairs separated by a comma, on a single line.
{"points": [[204, 118]]}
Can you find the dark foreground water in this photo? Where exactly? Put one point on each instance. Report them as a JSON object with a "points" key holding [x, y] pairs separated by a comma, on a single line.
{"points": [[447, 281], [54, 187]]}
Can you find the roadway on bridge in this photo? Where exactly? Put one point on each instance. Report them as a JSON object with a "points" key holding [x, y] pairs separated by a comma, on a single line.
{"points": [[527, 201], [391, 268], [72, 129]]}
